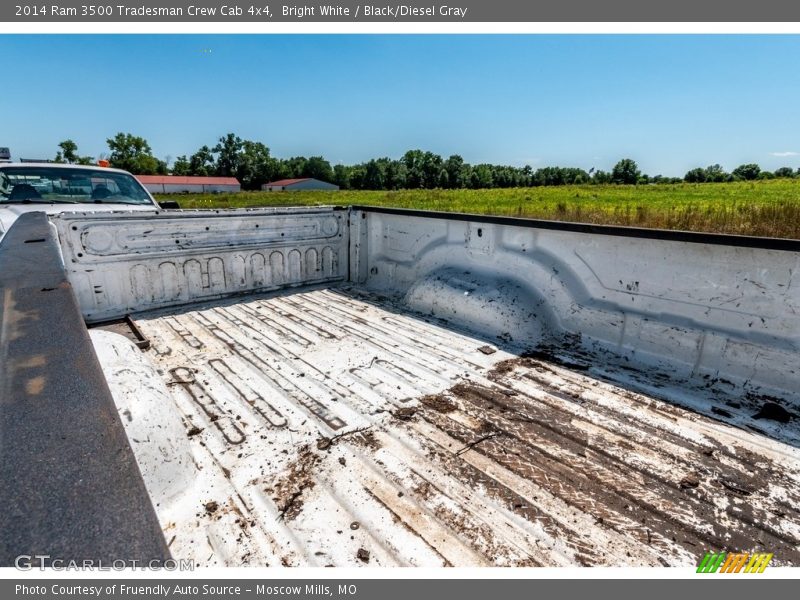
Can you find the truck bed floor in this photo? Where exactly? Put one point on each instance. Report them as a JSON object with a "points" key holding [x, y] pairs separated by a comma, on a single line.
{"points": [[330, 427]]}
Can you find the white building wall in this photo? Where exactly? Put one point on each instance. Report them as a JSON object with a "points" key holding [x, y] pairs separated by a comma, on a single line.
{"points": [[311, 184], [193, 188]]}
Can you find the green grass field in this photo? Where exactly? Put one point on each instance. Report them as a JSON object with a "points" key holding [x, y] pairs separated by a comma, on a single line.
{"points": [[764, 208]]}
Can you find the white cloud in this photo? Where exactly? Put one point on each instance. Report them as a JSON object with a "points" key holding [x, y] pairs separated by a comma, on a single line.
{"points": [[788, 153]]}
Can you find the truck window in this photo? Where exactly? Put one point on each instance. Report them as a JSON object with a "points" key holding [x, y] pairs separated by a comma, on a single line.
{"points": [[59, 185]]}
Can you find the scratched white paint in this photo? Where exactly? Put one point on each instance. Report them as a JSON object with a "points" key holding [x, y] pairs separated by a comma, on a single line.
{"points": [[702, 312], [248, 389]]}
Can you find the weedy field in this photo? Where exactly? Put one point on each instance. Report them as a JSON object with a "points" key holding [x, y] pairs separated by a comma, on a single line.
{"points": [[763, 208]]}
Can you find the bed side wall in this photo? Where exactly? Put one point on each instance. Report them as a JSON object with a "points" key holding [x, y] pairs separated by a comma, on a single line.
{"points": [[701, 310]]}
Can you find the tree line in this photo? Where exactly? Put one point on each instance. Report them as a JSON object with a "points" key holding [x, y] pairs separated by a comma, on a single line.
{"points": [[253, 165]]}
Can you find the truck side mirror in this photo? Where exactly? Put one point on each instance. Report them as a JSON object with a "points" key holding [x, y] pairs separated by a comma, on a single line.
{"points": [[169, 204]]}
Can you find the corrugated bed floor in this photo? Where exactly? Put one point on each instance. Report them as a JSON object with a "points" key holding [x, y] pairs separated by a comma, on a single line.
{"points": [[331, 428]]}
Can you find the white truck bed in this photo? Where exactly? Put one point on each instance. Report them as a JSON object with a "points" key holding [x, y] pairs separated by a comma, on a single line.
{"points": [[334, 427]]}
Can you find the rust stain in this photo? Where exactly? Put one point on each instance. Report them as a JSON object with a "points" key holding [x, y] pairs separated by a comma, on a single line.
{"points": [[32, 362], [34, 385]]}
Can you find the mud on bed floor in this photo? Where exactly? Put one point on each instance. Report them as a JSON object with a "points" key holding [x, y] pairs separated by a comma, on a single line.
{"points": [[328, 427]]}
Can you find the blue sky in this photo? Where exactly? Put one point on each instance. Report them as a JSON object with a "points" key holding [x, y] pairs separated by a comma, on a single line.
{"points": [[670, 102]]}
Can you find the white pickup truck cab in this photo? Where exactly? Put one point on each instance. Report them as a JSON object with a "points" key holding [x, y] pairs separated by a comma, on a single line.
{"points": [[56, 188]]}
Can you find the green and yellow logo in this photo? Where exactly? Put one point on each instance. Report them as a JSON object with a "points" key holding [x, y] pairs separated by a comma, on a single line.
{"points": [[734, 562]]}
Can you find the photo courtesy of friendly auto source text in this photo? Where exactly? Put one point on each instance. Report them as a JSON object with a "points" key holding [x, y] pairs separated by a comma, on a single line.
{"points": [[293, 296]]}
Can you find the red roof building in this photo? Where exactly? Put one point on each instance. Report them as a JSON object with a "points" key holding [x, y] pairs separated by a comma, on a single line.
{"points": [[175, 184], [285, 182], [305, 183]]}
